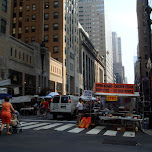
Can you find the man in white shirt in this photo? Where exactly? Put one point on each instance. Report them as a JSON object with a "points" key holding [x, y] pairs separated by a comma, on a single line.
{"points": [[79, 110]]}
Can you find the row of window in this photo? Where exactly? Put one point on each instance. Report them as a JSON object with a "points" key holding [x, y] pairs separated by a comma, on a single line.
{"points": [[20, 55], [46, 6], [55, 69]]}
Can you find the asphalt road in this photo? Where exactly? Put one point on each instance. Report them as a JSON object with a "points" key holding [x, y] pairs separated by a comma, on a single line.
{"points": [[59, 141]]}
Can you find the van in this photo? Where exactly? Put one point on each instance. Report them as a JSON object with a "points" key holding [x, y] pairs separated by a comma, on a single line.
{"points": [[64, 105]]}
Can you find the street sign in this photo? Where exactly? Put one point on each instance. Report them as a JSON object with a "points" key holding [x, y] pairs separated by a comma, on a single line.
{"points": [[87, 93], [115, 88], [112, 98]]}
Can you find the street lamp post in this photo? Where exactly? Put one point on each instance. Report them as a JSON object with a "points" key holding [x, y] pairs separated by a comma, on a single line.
{"points": [[149, 68]]}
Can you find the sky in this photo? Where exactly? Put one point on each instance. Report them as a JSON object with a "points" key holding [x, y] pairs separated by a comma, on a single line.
{"points": [[123, 20]]}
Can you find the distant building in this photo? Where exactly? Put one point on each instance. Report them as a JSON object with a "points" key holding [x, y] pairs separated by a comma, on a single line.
{"points": [[94, 20], [91, 65], [118, 69]]}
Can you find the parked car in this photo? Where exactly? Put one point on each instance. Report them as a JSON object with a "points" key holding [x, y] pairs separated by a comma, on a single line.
{"points": [[64, 105]]}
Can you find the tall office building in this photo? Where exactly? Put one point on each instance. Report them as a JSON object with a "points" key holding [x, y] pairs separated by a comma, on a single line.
{"points": [[55, 24], [118, 69], [145, 51], [94, 20]]}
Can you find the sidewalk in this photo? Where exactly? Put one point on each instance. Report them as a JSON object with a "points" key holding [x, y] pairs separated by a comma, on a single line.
{"points": [[148, 131]]}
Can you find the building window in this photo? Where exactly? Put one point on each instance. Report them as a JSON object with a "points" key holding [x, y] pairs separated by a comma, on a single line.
{"points": [[27, 58], [19, 55], [20, 24], [20, 14], [55, 38], [46, 27], [46, 16], [33, 28], [21, 3], [33, 7], [26, 29], [3, 26], [56, 15], [56, 4], [4, 5], [32, 39], [55, 49], [26, 40], [55, 26], [19, 35], [14, 31], [15, 53], [14, 15], [27, 7], [27, 18], [11, 51], [30, 59], [33, 17], [19, 30], [15, 3], [46, 38], [20, 9], [46, 5]]}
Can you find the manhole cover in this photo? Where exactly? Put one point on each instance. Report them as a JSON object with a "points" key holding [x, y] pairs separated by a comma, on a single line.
{"points": [[119, 142]]}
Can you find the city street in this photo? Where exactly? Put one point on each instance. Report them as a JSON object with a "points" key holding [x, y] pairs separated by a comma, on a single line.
{"points": [[62, 135]]}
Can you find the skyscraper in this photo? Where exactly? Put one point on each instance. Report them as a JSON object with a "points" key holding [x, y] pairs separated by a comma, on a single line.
{"points": [[93, 18], [117, 58]]}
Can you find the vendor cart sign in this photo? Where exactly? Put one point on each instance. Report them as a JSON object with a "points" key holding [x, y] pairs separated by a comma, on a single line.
{"points": [[112, 98], [87, 93], [115, 88]]}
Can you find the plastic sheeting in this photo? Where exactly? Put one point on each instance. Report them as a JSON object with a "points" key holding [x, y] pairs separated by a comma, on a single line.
{"points": [[21, 99]]}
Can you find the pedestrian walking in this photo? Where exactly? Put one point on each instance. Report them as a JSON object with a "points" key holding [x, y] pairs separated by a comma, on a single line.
{"points": [[79, 111], [37, 109], [6, 114], [46, 107]]}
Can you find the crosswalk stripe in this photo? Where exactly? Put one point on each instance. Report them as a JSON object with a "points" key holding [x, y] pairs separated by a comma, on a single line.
{"points": [[110, 133], [129, 134], [33, 126], [95, 130], [64, 127], [48, 126], [76, 130], [29, 123]]}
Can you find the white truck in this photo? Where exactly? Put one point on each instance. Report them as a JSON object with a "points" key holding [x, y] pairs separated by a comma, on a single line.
{"points": [[63, 105]]}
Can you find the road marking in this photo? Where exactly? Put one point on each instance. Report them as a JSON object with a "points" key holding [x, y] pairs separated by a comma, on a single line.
{"points": [[29, 123], [76, 130], [48, 126], [49, 120], [64, 127], [110, 133], [129, 134], [95, 130], [33, 126]]}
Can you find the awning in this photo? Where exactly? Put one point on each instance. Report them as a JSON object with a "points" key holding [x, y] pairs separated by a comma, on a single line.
{"points": [[136, 94], [3, 95], [21, 99], [5, 82]]}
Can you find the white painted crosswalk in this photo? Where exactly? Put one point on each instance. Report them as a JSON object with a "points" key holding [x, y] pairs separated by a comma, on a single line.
{"points": [[95, 130], [110, 133], [70, 128], [48, 126], [64, 127], [34, 126]]}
